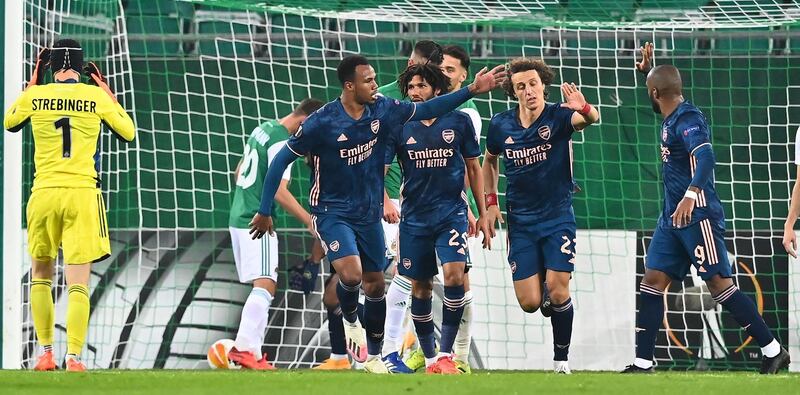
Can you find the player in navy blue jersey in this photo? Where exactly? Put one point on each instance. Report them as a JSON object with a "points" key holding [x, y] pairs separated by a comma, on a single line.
{"points": [[691, 228], [535, 140], [434, 156], [347, 142]]}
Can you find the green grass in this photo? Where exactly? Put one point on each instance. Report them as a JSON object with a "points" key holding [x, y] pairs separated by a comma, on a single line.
{"points": [[308, 382]]}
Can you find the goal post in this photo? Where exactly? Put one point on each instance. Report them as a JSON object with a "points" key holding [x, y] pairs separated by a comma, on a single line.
{"points": [[13, 66]]}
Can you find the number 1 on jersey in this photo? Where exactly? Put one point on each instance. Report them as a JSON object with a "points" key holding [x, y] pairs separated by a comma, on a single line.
{"points": [[66, 136]]}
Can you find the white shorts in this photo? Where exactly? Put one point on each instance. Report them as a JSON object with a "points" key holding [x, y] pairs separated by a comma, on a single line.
{"points": [[390, 232], [254, 258]]}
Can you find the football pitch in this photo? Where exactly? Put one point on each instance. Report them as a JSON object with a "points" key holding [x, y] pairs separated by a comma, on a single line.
{"points": [[309, 382]]}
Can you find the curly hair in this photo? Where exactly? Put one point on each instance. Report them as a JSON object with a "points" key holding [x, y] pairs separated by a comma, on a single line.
{"points": [[519, 65], [432, 74]]}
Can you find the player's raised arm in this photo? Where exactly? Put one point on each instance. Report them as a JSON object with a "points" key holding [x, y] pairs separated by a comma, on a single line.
{"points": [[19, 114], [585, 114], [646, 64], [484, 82], [110, 111]]}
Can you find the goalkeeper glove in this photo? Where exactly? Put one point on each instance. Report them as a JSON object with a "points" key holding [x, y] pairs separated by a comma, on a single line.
{"points": [[41, 65], [310, 274], [93, 72], [95, 75]]}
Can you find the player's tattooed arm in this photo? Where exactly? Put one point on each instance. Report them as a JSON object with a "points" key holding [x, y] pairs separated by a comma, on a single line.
{"points": [[261, 223], [286, 200]]}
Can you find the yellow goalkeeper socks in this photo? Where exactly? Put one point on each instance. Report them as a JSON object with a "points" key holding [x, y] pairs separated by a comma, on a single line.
{"points": [[43, 311], [77, 318]]}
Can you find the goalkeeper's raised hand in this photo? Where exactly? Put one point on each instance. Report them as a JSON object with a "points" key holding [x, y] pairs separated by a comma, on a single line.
{"points": [[42, 60], [95, 75]]}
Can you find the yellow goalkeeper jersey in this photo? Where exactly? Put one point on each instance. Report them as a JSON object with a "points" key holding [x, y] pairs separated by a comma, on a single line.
{"points": [[66, 119]]}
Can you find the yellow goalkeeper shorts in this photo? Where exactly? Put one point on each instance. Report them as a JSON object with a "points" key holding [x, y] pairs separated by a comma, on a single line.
{"points": [[73, 218]]}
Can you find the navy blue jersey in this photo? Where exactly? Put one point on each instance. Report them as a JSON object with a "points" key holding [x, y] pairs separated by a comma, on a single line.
{"points": [[682, 132], [432, 161], [538, 163], [347, 157]]}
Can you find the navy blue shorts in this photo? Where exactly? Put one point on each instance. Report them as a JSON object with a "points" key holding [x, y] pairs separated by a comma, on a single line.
{"points": [[702, 244], [534, 248], [419, 250], [341, 238]]}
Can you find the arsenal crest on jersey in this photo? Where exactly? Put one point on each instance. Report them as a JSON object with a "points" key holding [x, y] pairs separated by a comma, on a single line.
{"points": [[448, 135], [544, 132], [335, 246], [407, 263], [375, 126]]}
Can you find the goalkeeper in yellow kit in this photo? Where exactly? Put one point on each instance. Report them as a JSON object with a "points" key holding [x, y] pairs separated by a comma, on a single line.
{"points": [[66, 206]]}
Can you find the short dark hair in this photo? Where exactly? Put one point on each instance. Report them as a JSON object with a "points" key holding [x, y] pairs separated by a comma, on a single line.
{"points": [[432, 74], [346, 70], [430, 51], [308, 106], [518, 65], [66, 54], [458, 53]]}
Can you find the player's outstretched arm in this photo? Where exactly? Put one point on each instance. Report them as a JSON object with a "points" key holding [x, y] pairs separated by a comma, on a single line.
{"points": [[585, 114], [491, 175], [789, 237], [440, 105], [262, 221]]}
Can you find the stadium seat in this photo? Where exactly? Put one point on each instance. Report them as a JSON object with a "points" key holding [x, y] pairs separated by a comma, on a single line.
{"points": [[368, 33], [281, 24], [151, 7], [744, 45], [438, 28], [101, 26], [153, 25], [210, 22], [598, 10], [508, 48]]}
